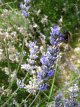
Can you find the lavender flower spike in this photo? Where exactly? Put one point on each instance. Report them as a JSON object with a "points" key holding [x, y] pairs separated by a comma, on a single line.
{"points": [[56, 35]]}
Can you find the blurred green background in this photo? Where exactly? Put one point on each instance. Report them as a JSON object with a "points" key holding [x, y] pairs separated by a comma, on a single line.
{"points": [[54, 9]]}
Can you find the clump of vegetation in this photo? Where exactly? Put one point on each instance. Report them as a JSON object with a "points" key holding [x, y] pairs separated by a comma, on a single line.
{"points": [[39, 53]]}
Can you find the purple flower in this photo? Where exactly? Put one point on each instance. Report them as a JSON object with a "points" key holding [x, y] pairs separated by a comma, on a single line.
{"points": [[50, 73], [45, 68], [33, 56], [21, 5], [50, 49], [61, 36], [43, 87], [54, 41], [32, 44], [25, 13], [44, 60], [33, 51], [25, 7], [41, 75], [56, 36], [55, 30], [33, 48]]}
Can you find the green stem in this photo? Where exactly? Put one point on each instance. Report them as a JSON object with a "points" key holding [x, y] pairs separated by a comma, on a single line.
{"points": [[8, 63], [25, 99], [45, 95], [34, 100], [52, 86]]}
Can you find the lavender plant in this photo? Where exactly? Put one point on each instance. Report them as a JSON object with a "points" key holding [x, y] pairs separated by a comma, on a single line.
{"points": [[29, 54], [41, 74], [61, 101]]}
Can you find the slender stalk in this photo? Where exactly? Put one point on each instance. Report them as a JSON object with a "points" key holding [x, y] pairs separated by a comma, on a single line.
{"points": [[52, 86], [25, 99], [34, 100], [45, 95]]}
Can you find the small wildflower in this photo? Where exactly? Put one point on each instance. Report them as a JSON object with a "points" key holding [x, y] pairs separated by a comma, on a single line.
{"points": [[43, 87], [25, 13], [20, 83], [21, 5], [24, 66], [50, 73]]}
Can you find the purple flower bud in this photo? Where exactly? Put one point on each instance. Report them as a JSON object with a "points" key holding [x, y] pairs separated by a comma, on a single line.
{"points": [[50, 73], [44, 60], [45, 68], [32, 44], [54, 41], [43, 87], [55, 30], [61, 37], [21, 5], [24, 13]]}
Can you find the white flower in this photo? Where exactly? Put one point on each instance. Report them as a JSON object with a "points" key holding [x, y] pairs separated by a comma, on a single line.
{"points": [[13, 75], [20, 83], [32, 86], [74, 88], [25, 66]]}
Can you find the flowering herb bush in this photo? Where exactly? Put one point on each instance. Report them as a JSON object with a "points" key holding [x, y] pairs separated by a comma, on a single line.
{"points": [[38, 67]]}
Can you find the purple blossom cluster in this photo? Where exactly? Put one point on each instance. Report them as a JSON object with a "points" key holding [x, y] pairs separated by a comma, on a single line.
{"points": [[31, 68], [25, 7], [61, 101], [33, 50], [49, 58], [42, 72], [48, 61], [56, 35]]}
